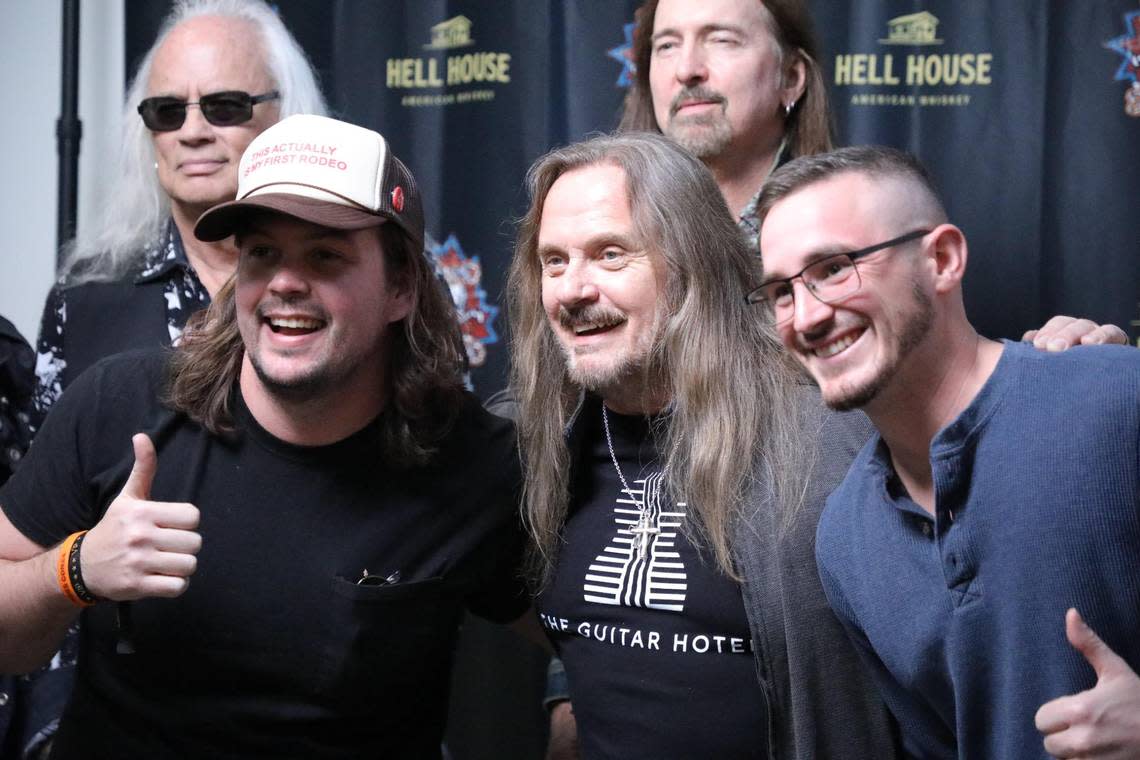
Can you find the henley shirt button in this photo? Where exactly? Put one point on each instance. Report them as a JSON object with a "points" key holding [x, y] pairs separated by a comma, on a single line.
{"points": [[926, 529], [3, 698]]}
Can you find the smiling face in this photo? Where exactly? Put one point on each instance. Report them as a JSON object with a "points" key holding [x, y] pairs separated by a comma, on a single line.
{"points": [[198, 162], [600, 282], [314, 307], [855, 347], [717, 79]]}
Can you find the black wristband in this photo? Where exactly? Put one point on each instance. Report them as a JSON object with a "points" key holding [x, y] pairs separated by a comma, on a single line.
{"points": [[75, 573]]}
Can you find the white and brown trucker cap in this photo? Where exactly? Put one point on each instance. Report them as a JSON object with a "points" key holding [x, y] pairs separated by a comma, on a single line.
{"points": [[322, 171]]}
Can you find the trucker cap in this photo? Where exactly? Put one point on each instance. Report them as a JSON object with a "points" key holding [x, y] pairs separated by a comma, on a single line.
{"points": [[322, 171]]}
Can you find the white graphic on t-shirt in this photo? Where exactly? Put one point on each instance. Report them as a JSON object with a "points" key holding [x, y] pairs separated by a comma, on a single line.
{"points": [[641, 566]]}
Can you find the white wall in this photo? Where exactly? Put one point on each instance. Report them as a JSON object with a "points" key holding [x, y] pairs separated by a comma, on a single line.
{"points": [[30, 52]]}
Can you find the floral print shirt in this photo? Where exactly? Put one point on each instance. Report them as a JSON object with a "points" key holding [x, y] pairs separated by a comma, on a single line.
{"points": [[163, 262], [749, 223], [15, 398]]}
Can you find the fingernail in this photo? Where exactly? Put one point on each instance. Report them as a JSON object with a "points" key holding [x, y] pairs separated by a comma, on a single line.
{"points": [[1057, 344]]}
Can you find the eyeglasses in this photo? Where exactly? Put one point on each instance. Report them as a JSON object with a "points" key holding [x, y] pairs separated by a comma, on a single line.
{"points": [[830, 280], [222, 109]]}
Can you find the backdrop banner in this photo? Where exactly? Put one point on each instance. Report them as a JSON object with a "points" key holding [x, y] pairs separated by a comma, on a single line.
{"points": [[1027, 112]]}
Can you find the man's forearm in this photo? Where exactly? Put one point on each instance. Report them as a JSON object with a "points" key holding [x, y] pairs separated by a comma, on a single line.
{"points": [[34, 613]]}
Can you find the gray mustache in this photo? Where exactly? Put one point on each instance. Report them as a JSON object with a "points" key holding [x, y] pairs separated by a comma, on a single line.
{"points": [[699, 92]]}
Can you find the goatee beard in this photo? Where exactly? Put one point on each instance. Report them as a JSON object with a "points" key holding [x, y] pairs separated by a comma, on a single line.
{"points": [[706, 135]]}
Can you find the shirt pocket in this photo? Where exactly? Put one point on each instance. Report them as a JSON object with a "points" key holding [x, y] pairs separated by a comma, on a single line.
{"points": [[390, 645]]}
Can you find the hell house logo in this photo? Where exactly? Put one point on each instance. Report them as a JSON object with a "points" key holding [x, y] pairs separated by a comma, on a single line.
{"points": [[918, 78], [444, 74]]}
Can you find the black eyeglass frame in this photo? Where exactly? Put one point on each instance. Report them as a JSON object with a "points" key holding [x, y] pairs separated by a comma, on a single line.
{"points": [[755, 296], [148, 108]]}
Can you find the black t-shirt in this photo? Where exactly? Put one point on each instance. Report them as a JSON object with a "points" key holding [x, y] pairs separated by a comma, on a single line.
{"points": [[655, 640], [275, 650]]}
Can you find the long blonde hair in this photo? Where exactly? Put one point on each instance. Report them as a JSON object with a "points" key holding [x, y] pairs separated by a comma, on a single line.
{"points": [[732, 398]]}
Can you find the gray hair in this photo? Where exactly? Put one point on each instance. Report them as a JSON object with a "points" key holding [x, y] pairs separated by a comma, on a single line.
{"points": [[732, 393], [135, 207]]}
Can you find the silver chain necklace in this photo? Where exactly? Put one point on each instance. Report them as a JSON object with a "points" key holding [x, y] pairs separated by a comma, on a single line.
{"points": [[646, 526]]}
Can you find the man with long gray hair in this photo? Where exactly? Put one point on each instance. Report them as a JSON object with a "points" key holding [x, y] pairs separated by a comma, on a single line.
{"points": [[219, 72], [674, 468]]}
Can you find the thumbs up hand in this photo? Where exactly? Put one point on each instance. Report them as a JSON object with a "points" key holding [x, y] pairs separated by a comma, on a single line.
{"points": [[1103, 722], [141, 548]]}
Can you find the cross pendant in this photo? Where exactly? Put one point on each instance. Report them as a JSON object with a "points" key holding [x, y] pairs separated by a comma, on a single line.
{"points": [[644, 528]]}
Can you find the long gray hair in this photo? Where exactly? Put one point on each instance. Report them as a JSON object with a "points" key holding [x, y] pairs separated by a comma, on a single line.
{"points": [[135, 208], [732, 411]]}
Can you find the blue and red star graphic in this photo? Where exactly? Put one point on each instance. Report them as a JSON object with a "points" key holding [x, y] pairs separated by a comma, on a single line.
{"points": [[1128, 45], [464, 277], [623, 54]]}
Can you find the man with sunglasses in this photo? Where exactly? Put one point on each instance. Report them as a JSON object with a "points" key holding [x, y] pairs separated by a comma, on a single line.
{"points": [[1000, 500], [218, 74]]}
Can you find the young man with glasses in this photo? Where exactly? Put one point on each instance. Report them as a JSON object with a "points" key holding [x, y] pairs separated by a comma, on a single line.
{"points": [[1000, 493]]}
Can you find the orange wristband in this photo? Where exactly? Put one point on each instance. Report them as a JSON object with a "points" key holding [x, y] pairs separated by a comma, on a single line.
{"points": [[65, 571]]}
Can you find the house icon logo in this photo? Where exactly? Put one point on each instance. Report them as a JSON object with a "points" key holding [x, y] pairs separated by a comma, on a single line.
{"points": [[913, 29], [453, 33]]}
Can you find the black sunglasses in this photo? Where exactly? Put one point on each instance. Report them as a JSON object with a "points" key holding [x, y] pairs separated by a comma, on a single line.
{"points": [[222, 109]]}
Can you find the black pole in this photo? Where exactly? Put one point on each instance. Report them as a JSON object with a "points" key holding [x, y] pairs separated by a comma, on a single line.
{"points": [[68, 130]]}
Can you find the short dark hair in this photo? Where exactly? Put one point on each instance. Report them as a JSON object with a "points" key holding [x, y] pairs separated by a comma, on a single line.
{"points": [[872, 160]]}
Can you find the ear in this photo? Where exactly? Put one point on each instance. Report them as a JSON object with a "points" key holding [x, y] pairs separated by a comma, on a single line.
{"points": [[948, 253], [401, 298], [795, 78]]}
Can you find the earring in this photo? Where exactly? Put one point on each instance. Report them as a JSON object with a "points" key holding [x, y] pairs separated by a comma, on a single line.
{"points": [[156, 166], [788, 108]]}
